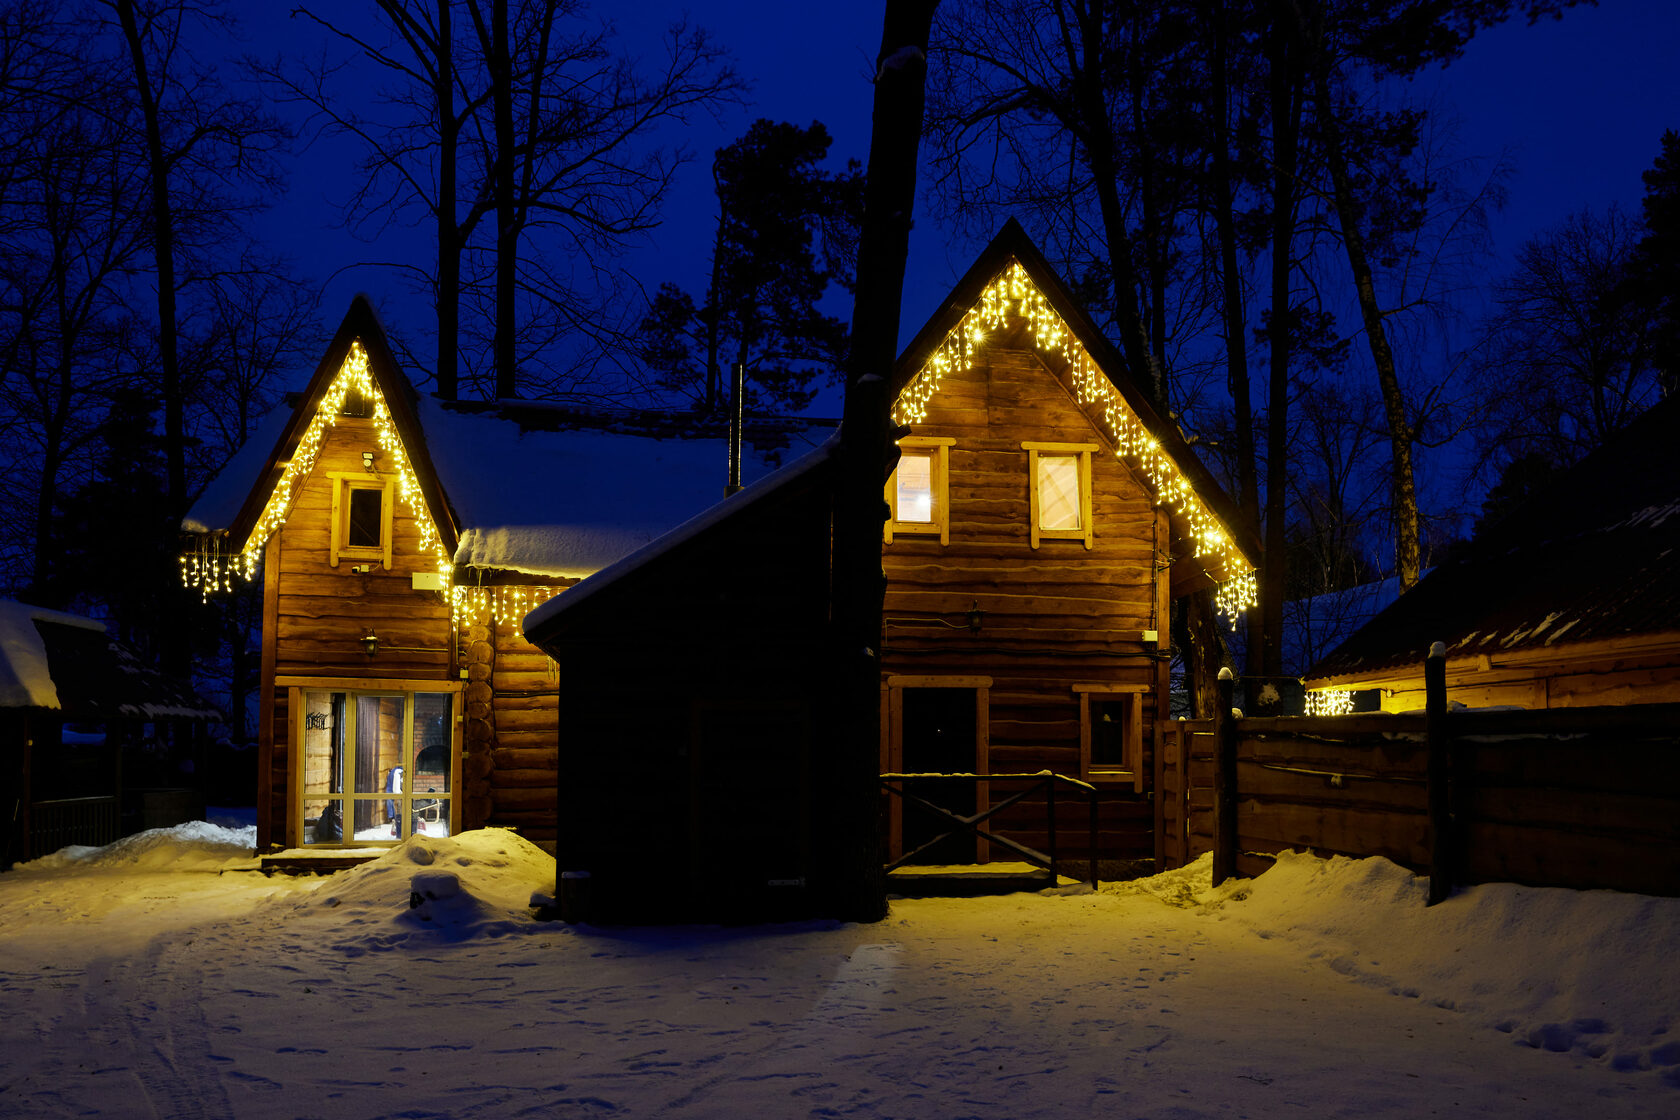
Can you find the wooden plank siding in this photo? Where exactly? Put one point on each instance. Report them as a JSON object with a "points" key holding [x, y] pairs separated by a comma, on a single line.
{"points": [[322, 612], [315, 616], [1055, 616]]}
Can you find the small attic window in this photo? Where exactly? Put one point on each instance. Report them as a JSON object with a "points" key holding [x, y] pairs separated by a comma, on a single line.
{"points": [[356, 404], [361, 517]]}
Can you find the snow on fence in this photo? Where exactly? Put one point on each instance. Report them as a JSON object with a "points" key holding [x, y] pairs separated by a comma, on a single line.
{"points": [[1567, 797]]}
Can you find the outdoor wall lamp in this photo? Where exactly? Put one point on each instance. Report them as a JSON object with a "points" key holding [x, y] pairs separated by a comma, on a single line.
{"points": [[367, 460], [370, 644], [975, 616]]}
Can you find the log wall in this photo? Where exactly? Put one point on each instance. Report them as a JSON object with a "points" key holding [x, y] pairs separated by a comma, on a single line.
{"points": [[315, 616], [1055, 616]]}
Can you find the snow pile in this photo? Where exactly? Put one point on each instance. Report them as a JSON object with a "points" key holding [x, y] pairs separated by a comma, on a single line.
{"points": [[474, 885], [1549, 967], [194, 846]]}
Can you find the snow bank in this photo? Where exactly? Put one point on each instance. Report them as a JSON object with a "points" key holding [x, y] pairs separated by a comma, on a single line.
{"points": [[1589, 972], [194, 846], [476, 884]]}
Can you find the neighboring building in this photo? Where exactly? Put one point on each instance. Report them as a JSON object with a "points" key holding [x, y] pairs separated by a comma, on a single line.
{"points": [[74, 702], [1042, 518], [1572, 599], [400, 538]]}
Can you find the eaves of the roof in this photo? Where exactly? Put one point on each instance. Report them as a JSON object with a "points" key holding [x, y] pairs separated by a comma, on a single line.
{"points": [[1012, 243]]}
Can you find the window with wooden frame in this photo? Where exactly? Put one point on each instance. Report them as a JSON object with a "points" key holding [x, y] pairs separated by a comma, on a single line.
{"points": [[1111, 732], [372, 761], [361, 517], [917, 491], [1059, 479]]}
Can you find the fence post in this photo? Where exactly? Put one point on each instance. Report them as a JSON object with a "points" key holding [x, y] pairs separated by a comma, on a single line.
{"points": [[1442, 857], [1225, 780]]}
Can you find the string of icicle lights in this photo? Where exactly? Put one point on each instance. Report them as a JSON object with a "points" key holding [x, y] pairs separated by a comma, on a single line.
{"points": [[1330, 702], [502, 603], [1012, 297], [211, 570]]}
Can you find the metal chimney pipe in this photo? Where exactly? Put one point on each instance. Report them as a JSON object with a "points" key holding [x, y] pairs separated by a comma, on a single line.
{"points": [[737, 400]]}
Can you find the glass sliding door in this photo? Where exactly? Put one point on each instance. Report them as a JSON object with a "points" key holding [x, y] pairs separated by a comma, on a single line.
{"points": [[377, 766]]}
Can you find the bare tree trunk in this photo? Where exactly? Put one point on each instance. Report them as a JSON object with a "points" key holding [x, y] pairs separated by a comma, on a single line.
{"points": [[448, 234], [1402, 482], [163, 244], [867, 450], [1236, 326], [1098, 139], [1284, 49], [507, 224]]}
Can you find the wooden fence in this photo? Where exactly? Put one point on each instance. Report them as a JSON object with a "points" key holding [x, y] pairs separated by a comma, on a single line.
{"points": [[1568, 797]]}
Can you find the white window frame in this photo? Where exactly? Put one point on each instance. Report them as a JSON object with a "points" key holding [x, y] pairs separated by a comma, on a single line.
{"points": [[1083, 453]]}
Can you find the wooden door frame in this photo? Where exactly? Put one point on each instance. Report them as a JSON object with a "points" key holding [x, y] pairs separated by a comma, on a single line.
{"points": [[892, 745]]}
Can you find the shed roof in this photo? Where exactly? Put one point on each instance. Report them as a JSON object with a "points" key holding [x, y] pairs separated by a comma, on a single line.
{"points": [[1593, 556]]}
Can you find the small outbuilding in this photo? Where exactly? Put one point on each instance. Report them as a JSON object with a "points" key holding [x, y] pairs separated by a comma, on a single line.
{"points": [[76, 704], [1571, 600]]}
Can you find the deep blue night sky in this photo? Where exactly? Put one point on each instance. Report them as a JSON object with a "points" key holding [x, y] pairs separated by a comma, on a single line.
{"points": [[1576, 107]]}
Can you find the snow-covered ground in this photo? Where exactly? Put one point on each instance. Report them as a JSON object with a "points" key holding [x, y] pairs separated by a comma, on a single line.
{"points": [[155, 979]]}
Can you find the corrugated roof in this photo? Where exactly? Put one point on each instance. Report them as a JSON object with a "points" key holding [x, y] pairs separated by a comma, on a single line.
{"points": [[1595, 555]]}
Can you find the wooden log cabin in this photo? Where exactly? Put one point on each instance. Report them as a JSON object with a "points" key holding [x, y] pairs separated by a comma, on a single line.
{"points": [[1568, 601], [399, 540], [1041, 519]]}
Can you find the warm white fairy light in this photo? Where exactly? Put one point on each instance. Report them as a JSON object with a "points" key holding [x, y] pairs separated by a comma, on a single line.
{"points": [[1013, 297], [212, 570], [1330, 702], [500, 603]]}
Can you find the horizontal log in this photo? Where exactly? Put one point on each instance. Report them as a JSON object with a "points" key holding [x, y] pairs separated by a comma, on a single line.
{"points": [[522, 778], [531, 758], [1403, 838], [1398, 760], [511, 681], [533, 718], [523, 800], [1354, 792]]}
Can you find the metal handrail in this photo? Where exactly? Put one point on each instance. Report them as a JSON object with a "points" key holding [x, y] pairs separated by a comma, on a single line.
{"points": [[1045, 780]]}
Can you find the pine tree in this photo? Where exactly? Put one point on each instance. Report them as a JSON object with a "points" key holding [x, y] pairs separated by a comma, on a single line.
{"points": [[786, 230]]}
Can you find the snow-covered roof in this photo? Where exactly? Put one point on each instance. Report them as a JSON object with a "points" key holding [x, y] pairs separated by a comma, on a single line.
{"points": [[568, 503], [686, 531], [226, 493], [25, 679], [1592, 556]]}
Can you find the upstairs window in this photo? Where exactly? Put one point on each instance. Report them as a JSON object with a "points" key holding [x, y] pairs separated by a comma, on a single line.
{"points": [[361, 518], [917, 491], [1059, 480]]}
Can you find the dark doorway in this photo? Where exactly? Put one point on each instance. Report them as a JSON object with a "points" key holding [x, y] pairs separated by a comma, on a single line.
{"points": [[938, 733]]}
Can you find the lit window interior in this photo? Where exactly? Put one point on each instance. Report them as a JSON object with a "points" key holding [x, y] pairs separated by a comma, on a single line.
{"points": [[915, 488], [382, 762], [1058, 492]]}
